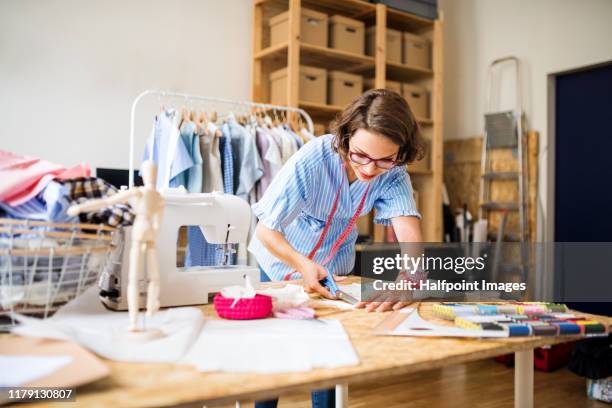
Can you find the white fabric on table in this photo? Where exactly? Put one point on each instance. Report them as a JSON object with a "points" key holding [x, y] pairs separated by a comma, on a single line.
{"points": [[271, 346], [86, 321]]}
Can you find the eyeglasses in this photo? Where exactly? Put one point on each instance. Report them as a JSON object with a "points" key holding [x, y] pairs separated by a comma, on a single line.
{"points": [[362, 159]]}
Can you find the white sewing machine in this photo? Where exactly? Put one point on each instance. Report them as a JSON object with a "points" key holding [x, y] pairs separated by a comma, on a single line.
{"points": [[223, 219]]}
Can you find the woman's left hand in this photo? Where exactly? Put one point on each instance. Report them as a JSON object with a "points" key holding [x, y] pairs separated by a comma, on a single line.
{"points": [[382, 306]]}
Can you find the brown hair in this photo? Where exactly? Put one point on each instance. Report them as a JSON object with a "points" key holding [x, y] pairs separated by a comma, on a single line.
{"points": [[382, 112]]}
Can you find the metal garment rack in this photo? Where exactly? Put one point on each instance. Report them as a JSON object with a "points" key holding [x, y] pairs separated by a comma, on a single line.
{"points": [[188, 98]]}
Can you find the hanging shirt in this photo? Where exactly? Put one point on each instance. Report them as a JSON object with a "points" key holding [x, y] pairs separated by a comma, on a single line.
{"points": [[166, 148], [236, 134], [251, 167], [227, 164], [212, 175], [191, 178], [271, 159], [300, 198]]}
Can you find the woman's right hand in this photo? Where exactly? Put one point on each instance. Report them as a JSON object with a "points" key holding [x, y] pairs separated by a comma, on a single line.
{"points": [[312, 273]]}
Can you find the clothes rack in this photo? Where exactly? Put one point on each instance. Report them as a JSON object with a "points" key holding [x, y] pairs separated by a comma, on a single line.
{"points": [[187, 98]]}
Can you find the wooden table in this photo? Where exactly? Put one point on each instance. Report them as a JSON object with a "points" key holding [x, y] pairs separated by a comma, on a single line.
{"points": [[381, 356]]}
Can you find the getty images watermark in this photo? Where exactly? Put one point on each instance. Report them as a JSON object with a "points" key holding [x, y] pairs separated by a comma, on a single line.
{"points": [[413, 272], [549, 272]]}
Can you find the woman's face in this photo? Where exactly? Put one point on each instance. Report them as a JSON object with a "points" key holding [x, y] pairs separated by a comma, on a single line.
{"points": [[372, 145]]}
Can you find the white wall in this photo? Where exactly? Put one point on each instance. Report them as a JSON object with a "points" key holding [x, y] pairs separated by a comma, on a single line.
{"points": [[69, 69], [548, 36]]}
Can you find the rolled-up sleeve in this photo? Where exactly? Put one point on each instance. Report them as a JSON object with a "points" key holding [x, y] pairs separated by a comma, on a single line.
{"points": [[286, 196], [396, 201]]}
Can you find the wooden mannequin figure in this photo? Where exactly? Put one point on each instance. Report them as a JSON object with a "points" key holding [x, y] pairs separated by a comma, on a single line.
{"points": [[148, 205]]}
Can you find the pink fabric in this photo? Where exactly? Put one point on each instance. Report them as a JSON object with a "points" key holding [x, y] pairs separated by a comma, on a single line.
{"points": [[22, 177]]}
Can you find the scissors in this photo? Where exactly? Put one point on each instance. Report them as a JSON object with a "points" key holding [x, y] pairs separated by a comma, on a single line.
{"points": [[331, 285]]}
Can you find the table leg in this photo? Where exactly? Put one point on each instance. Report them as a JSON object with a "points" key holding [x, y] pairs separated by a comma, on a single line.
{"points": [[342, 395], [523, 379]]}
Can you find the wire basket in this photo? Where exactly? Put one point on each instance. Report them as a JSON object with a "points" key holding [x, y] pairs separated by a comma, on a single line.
{"points": [[44, 265]]}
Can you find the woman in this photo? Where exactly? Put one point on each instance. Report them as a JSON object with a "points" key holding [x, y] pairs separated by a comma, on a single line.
{"points": [[307, 214], [364, 160]]}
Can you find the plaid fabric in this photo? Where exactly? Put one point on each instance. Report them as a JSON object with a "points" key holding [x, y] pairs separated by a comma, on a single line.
{"points": [[88, 188], [227, 165]]}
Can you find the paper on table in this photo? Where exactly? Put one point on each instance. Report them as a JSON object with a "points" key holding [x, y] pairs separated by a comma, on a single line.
{"points": [[22, 369], [415, 325], [271, 346], [86, 321]]}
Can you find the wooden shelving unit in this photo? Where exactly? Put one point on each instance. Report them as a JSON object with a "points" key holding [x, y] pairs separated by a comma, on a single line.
{"points": [[293, 53]]}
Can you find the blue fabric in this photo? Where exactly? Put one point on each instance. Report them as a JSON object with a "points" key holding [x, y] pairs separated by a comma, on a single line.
{"points": [[50, 205], [199, 251], [191, 178], [263, 277], [166, 148], [320, 399], [300, 198], [247, 164], [227, 164]]}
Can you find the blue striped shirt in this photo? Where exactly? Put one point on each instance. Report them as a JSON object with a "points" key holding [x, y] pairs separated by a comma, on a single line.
{"points": [[300, 197]]}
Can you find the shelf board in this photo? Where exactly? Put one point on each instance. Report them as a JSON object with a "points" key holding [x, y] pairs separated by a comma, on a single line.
{"points": [[398, 72], [349, 8], [276, 51], [403, 72], [322, 57], [319, 108], [330, 58]]}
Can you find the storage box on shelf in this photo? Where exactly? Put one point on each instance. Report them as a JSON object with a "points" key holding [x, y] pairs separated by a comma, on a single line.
{"points": [[417, 98], [416, 51], [347, 34], [394, 44], [343, 87], [313, 28], [312, 86]]}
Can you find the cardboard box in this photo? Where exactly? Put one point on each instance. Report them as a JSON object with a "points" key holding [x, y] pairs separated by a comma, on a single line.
{"points": [[313, 28], [417, 51], [390, 85], [347, 34], [394, 44], [312, 86], [344, 87], [418, 100]]}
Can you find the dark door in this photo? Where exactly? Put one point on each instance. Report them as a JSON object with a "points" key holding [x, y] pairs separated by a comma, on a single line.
{"points": [[583, 175]]}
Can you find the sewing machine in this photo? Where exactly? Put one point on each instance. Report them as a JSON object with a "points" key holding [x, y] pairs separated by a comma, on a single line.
{"points": [[223, 218]]}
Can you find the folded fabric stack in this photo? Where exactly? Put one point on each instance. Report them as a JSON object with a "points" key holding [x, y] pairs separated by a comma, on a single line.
{"points": [[34, 189], [45, 264]]}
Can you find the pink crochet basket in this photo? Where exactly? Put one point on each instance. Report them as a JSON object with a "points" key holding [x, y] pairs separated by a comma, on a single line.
{"points": [[258, 307]]}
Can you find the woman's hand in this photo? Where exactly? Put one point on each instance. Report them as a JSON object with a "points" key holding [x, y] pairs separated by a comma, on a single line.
{"points": [[382, 306], [312, 273], [385, 300]]}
